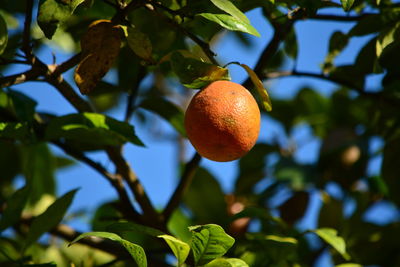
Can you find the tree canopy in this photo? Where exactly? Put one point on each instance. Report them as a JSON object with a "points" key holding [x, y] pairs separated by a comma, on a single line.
{"points": [[130, 60]]}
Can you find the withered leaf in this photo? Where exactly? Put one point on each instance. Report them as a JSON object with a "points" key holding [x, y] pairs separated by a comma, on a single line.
{"points": [[100, 47]]}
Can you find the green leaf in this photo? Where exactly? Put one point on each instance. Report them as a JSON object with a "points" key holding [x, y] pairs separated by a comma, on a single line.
{"points": [[227, 262], [139, 43], [52, 13], [211, 207], [93, 129], [194, 73], [133, 227], [291, 44], [50, 218], [179, 248], [14, 130], [167, 110], [262, 92], [337, 43], [387, 37], [347, 4], [251, 168], [15, 205], [230, 23], [134, 250], [24, 106], [391, 168], [330, 236], [231, 9], [286, 241], [209, 242], [38, 166], [3, 35]]}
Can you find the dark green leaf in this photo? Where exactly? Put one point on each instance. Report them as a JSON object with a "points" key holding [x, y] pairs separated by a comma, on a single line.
{"points": [[178, 225], [10, 161], [50, 218], [24, 106], [391, 169], [209, 242], [337, 43], [14, 130], [251, 168], [38, 167], [347, 4], [230, 23], [14, 207], [134, 250], [330, 236], [213, 206], [331, 213], [194, 73], [50, 264], [166, 110], [296, 175], [349, 75], [52, 13], [290, 45], [3, 35], [231, 9], [91, 129], [178, 247], [349, 265], [295, 207]]}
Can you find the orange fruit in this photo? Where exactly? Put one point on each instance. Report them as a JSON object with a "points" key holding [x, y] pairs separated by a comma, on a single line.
{"points": [[222, 121]]}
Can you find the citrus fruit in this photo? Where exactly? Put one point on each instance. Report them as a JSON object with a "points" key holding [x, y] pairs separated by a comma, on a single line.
{"points": [[222, 121]]}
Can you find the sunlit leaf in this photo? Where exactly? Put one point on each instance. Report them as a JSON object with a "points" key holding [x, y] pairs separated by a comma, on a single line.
{"points": [[178, 247], [50, 218], [92, 128], [230, 23], [134, 250], [231, 9], [348, 265], [331, 237], [227, 262], [209, 242], [134, 227], [347, 4], [262, 92], [194, 73]]}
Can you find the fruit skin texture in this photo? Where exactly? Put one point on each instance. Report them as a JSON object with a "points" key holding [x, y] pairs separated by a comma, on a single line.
{"points": [[222, 121]]}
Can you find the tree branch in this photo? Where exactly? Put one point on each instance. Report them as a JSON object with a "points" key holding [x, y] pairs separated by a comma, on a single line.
{"points": [[123, 168], [26, 36], [125, 203], [281, 30], [182, 187], [340, 18]]}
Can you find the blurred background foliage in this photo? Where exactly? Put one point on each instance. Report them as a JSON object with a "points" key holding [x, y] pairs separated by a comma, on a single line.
{"points": [[273, 189]]}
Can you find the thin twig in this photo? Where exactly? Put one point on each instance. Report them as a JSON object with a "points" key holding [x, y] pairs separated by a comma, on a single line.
{"points": [[125, 203], [281, 30], [182, 187], [341, 18], [124, 169], [203, 45], [69, 93], [68, 64], [130, 105], [26, 36]]}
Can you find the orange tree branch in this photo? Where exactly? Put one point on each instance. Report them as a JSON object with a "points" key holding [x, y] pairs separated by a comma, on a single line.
{"points": [[124, 169], [124, 202], [184, 183]]}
